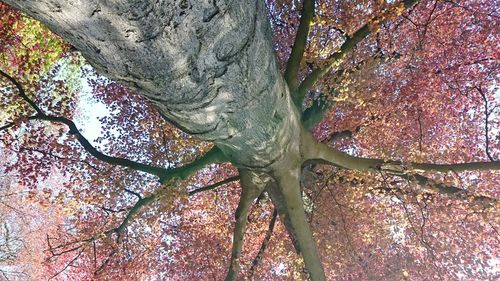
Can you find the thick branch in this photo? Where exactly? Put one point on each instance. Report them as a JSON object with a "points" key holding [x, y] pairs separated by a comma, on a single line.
{"points": [[319, 152], [280, 205], [299, 46], [212, 156], [251, 188], [336, 136], [288, 184], [315, 113], [144, 201], [132, 212], [336, 59], [320, 105]]}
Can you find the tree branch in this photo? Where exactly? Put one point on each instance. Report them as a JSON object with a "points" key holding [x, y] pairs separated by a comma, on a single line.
{"points": [[22, 93], [252, 185], [144, 201], [132, 212], [136, 194], [265, 242], [299, 46], [340, 135], [316, 112], [445, 189], [213, 186], [336, 59], [486, 121], [280, 205], [215, 155], [70, 263], [287, 180], [318, 152]]}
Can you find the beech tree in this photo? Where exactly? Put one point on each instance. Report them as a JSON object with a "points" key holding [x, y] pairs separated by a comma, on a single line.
{"points": [[363, 136]]}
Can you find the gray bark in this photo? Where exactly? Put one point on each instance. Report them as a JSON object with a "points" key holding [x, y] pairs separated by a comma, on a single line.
{"points": [[208, 65]]}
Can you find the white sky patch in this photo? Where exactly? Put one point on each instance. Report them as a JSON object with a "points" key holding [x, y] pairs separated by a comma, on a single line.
{"points": [[280, 269], [89, 112]]}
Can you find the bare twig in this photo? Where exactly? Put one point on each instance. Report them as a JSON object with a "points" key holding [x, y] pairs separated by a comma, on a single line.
{"points": [[265, 242]]}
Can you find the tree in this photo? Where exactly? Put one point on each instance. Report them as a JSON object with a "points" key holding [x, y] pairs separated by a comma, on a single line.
{"points": [[377, 134]]}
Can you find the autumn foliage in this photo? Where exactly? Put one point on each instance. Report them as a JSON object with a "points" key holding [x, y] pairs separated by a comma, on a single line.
{"points": [[422, 87]]}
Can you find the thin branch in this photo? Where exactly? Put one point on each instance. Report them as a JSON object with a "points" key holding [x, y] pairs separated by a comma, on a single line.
{"points": [[486, 117], [109, 210], [213, 156], [22, 93], [47, 153], [67, 265], [299, 46], [12, 124], [336, 59], [132, 212], [447, 190], [136, 194], [104, 263], [470, 10], [213, 186], [420, 130], [265, 242]]}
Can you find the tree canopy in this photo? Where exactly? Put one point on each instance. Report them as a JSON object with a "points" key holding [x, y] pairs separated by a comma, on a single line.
{"points": [[252, 140]]}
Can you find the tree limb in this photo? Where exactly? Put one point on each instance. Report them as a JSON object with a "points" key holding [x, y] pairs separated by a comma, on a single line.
{"points": [[132, 212], [212, 156], [318, 152], [336, 59], [444, 189], [70, 263], [486, 121], [299, 46], [144, 201], [265, 242], [252, 185], [288, 184], [280, 206], [213, 186], [215, 155], [316, 112], [22, 93]]}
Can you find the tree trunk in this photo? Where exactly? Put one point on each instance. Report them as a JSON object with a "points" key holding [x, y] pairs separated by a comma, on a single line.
{"points": [[208, 66]]}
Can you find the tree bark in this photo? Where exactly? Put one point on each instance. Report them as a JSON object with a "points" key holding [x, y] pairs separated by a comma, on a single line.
{"points": [[208, 66]]}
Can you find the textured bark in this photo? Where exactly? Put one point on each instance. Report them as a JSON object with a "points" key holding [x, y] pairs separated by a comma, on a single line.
{"points": [[207, 65]]}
